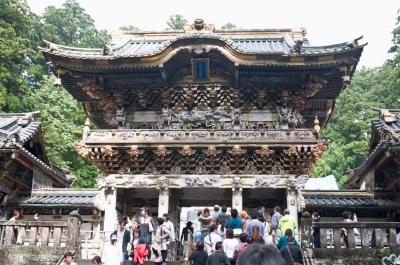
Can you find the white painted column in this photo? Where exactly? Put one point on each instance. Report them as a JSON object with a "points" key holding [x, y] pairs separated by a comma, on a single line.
{"points": [[110, 210], [163, 201], [292, 205], [237, 199]]}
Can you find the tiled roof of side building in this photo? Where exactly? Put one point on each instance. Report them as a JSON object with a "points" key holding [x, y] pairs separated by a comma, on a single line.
{"points": [[348, 198], [60, 198], [16, 129]]}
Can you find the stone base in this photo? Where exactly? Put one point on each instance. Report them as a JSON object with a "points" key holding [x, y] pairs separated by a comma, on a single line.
{"points": [[345, 256], [30, 255]]}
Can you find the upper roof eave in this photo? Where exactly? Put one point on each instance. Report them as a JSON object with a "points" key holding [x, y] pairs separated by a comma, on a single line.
{"points": [[153, 48]]}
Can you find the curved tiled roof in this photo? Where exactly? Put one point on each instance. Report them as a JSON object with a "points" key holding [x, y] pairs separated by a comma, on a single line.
{"points": [[132, 48], [16, 129]]}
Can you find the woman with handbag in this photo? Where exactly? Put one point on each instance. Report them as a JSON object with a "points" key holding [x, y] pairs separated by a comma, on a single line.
{"points": [[291, 253]]}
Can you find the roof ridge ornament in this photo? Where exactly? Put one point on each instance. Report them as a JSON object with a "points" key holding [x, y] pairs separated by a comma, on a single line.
{"points": [[198, 26]]}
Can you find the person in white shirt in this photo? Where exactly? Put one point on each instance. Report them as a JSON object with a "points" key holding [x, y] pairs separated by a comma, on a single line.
{"points": [[197, 228], [112, 252], [211, 239], [230, 244], [170, 227]]}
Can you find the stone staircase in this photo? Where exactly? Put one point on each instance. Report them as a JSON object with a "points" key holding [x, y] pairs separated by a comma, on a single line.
{"points": [[89, 262]]}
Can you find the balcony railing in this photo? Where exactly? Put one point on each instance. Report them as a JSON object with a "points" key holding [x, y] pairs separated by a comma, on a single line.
{"points": [[353, 235], [40, 233]]}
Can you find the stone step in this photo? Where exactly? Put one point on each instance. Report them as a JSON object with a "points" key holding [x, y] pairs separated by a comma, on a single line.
{"points": [[89, 262]]}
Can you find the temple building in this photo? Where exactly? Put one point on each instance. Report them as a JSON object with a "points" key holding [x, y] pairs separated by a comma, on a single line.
{"points": [[201, 116], [24, 161]]}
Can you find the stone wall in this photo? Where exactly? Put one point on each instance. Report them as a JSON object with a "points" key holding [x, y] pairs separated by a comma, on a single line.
{"points": [[30, 255]]}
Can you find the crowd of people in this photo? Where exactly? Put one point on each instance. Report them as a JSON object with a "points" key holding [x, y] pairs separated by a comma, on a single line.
{"points": [[216, 237]]}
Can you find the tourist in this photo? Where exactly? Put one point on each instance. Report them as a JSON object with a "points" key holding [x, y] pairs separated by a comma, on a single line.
{"points": [[199, 256], [268, 235], [258, 254], [68, 259], [132, 223], [276, 217], [205, 220], [36, 217], [123, 238], [260, 216], [163, 236], [221, 230], [230, 244], [292, 253], [218, 257], [244, 217], [254, 222], [197, 228], [96, 260], [240, 246], [235, 222], [215, 213], [211, 239], [223, 216], [287, 221], [170, 227], [283, 240], [185, 239], [112, 252], [140, 249], [147, 226], [172, 246], [316, 232], [256, 235], [19, 232], [347, 219]]}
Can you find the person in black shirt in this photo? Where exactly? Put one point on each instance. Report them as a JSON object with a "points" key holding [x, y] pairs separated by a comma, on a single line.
{"points": [[199, 256], [291, 253], [218, 257], [185, 238]]}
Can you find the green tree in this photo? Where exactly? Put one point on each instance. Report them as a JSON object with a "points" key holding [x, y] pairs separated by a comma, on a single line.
{"points": [[130, 28], [71, 25], [348, 130], [15, 25], [176, 22], [228, 26], [62, 118]]}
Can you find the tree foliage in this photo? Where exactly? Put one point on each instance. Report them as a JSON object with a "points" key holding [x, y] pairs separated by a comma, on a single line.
{"points": [[62, 118], [25, 82], [348, 130], [176, 22], [71, 25], [15, 44], [228, 26], [129, 28]]}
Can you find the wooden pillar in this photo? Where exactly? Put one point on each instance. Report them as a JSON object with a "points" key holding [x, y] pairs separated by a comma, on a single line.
{"points": [[292, 206], [163, 201], [237, 199], [110, 210]]}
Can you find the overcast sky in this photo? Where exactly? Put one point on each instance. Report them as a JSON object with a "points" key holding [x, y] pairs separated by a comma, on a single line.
{"points": [[327, 22]]}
